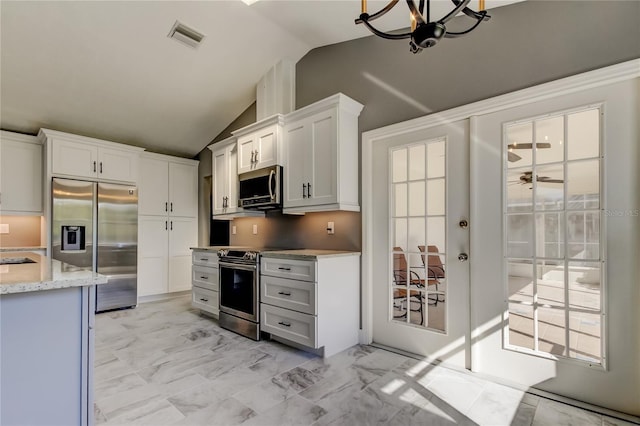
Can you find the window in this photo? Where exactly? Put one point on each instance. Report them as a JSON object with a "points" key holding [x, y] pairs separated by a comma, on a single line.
{"points": [[552, 214]]}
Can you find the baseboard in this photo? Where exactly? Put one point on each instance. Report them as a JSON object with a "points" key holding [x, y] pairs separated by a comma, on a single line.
{"points": [[164, 296]]}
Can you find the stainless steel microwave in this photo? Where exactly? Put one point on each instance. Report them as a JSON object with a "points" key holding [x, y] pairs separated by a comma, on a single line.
{"points": [[261, 189]]}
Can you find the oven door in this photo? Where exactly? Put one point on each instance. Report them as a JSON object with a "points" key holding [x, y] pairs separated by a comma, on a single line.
{"points": [[239, 290]]}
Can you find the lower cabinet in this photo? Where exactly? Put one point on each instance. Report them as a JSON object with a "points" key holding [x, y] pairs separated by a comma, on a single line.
{"points": [[204, 280], [312, 301], [47, 357], [164, 254]]}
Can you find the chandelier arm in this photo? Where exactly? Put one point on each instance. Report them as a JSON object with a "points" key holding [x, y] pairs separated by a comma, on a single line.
{"points": [[460, 34], [385, 35], [378, 14], [415, 12], [460, 5], [483, 15], [421, 6]]}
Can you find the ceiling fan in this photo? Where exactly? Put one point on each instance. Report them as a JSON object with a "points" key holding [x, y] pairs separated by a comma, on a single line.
{"points": [[513, 157], [527, 177]]}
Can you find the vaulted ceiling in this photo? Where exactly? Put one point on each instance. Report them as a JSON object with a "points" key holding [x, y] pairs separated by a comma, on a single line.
{"points": [[107, 69]]}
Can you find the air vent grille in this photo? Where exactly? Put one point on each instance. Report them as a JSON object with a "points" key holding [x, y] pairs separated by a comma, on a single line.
{"points": [[185, 35]]}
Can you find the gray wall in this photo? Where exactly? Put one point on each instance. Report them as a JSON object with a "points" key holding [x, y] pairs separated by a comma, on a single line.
{"points": [[524, 44]]}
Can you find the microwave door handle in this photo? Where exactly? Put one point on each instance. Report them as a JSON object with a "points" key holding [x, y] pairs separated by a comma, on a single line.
{"points": [[271, 188]]}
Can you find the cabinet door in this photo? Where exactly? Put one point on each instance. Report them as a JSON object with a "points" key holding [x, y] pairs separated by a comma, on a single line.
{"points": [[183, 234], [74, 159], [220, 180], [183, 190], [323, 145], [296, 137], [116, 164], [153, 187], [153, 237], [246, 153], [20, 177], [266, 147]]}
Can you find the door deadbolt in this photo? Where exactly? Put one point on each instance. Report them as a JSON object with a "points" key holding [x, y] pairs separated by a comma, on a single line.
{"points": [[463, 257], [463, 224]]}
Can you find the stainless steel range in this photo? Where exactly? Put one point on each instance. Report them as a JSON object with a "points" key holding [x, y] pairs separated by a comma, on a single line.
{"points": [[239, 291]]}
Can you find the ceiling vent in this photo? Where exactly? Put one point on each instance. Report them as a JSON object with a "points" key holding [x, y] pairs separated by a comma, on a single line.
{"points": [[185, 35]]}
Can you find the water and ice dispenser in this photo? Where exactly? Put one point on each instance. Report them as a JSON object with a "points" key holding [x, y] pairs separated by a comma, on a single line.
{"points": [[73, 238]]}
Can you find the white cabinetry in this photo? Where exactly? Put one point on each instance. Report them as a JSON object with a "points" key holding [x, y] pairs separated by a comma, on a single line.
{"points": [[312, 300], [82, 157], [167, 223], [20, 174], [205, 276], [260, 144], [225, 181], [321, 156]]}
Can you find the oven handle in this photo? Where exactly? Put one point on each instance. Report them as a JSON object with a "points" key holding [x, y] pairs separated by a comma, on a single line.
{"points": [[244, 267]]}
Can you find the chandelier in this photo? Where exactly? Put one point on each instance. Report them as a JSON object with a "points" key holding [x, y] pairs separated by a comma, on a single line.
{"points": [[424, 33]]}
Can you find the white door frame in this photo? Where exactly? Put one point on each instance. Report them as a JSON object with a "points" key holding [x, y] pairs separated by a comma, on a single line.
{"points": [[604, 76]]}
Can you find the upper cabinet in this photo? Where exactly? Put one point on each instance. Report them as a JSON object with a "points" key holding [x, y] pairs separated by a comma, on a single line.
{"points": [[225, 181], [20, 174], [168, 186], [320, 144], [260, 144], [94, 159]]}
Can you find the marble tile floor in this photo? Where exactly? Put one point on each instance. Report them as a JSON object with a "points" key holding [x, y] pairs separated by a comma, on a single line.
{"points": [[164, 363]]}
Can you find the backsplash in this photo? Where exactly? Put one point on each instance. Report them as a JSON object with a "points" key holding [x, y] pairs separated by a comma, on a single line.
{"points": [[303, 231], [24, 231]]}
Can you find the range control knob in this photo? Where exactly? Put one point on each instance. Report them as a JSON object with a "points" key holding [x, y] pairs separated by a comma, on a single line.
{"points": [[250, 255], [222, 252]]}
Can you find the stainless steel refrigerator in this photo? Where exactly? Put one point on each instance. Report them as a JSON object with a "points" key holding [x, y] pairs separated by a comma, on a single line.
{"points": [[95, 227]]}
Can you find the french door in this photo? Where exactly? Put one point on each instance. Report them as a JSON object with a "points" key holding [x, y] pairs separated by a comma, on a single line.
{"points": [[421, 239]]}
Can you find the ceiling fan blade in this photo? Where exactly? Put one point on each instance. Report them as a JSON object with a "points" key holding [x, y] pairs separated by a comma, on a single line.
{"points": [[528, 145], [546, 179], [513, 157]]}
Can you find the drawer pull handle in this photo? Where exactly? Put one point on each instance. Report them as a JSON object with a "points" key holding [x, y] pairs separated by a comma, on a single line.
{"points": [[284, 269], [284, 293], [204, 300], [204, 260], [204, 278], [286, 324]]}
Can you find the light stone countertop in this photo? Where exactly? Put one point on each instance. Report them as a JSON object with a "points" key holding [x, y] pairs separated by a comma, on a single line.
{"points": [[216, 248], [307, 254], [27, 248], [45, 274]]}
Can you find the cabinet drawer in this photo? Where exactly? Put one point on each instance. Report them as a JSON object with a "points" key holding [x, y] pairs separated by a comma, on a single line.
{"points": [[205, 276], [205, 300], [294, 326], [304, 270], [290, 294], [205, 258]]}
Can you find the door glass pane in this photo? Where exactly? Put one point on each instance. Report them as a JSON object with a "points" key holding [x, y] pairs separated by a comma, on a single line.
{"points": [[400, 232], [400, 199], [584, 286], [416, 162], [435, 197], [584, 134], [435, 232], [417, 198], [518, 140], [550, 235], [549, 140], [436, 155], [584, 182], [560, 235], [550, 187], [519, 190], [520, 235], [552, 331]]}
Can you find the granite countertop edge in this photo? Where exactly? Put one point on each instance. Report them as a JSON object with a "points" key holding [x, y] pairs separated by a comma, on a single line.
{"points": [[306, 254], [44, 274]]}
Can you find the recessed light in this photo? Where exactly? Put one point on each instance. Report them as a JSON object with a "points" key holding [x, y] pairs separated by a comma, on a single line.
{"points": [[249, 2]]}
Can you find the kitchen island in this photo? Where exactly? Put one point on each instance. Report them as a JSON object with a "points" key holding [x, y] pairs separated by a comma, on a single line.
{"points": [[47, 311]]}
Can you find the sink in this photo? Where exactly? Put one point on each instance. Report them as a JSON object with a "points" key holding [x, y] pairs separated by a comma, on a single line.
{"points": [[15, 260]]}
